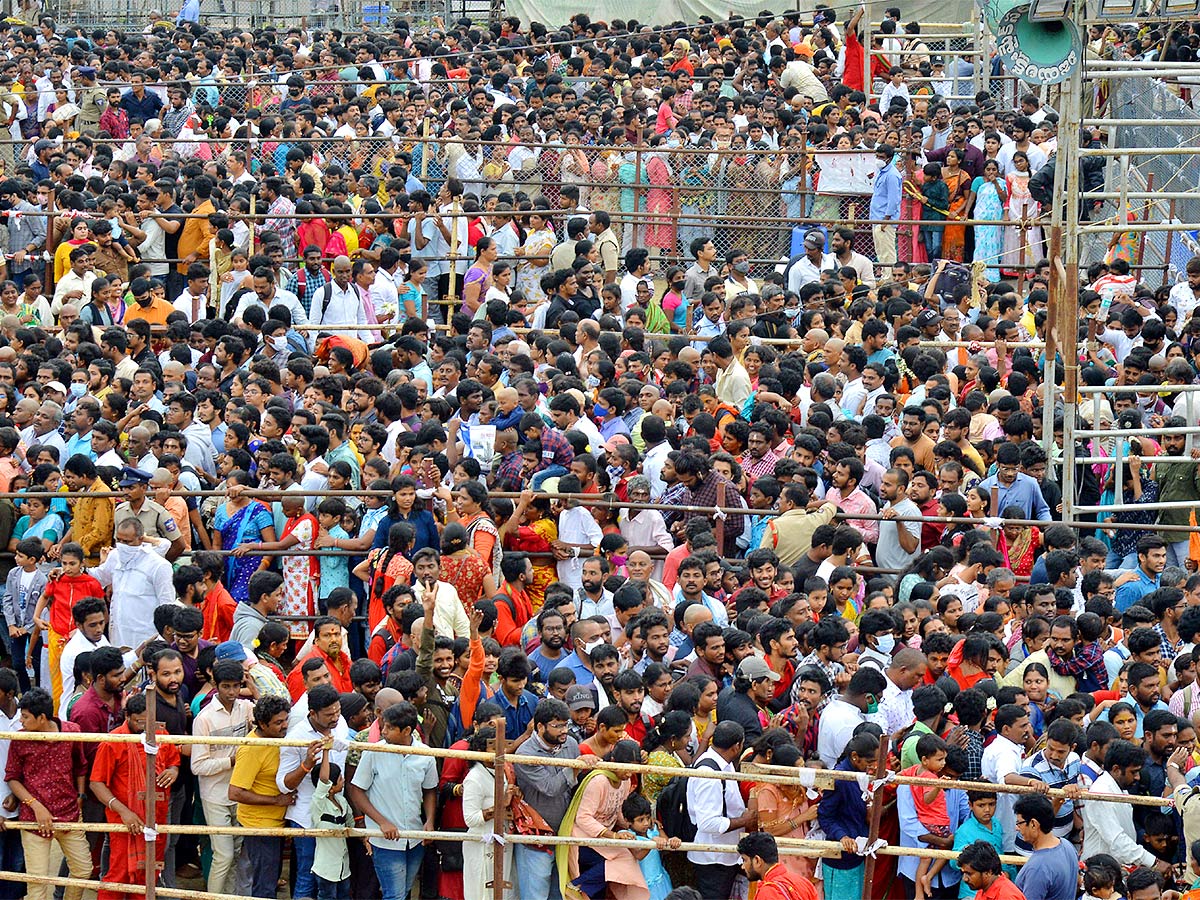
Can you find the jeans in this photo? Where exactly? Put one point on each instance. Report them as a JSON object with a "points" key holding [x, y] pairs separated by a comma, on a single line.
{"points": [[397, 870], [12, 859], [264, 857], [1129, 561], [332, 890], [1177, 553], [224, 846], [536, 876], [545, 474], [306, 849], [18, 646]]}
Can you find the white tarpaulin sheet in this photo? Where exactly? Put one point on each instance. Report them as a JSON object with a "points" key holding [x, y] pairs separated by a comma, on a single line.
{"points": [[557, 12], [845, 173]]}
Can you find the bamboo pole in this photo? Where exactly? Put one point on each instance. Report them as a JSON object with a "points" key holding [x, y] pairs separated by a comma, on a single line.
{"points": [[499, 814], [152, 838]]}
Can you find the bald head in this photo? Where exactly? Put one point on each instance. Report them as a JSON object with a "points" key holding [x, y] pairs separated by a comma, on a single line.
{"points": [[387, 697], [341, 270], [695, 614]]}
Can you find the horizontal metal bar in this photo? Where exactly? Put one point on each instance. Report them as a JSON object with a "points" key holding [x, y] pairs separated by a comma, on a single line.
{"points": [[1132, 507], [1130, 388], [1129, 432], [1093, 460]]}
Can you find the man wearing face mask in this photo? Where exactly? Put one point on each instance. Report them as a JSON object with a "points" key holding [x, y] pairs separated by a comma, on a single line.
{"points": [[846, 712], [885, 204], [586, 636]]}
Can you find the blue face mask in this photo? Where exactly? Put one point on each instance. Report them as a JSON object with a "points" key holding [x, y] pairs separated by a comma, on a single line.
{"points": [[78, 390], [599, 411], [886, 643]]}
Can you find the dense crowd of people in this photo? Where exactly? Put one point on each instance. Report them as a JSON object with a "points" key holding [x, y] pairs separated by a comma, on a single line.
{"points": [[351, 392]]}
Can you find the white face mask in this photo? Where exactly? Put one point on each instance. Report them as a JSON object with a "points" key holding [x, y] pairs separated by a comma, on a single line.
{"points": [[588, 648]]}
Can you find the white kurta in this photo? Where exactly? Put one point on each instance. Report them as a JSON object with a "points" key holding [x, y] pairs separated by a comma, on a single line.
{"points": [[479, 793], [141, 582]]}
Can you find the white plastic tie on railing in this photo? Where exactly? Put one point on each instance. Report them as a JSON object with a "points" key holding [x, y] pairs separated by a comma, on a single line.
{"points": [[869, 849], [808, 779], [150, 835], [493, 838], [151, 749], [719, 514]]}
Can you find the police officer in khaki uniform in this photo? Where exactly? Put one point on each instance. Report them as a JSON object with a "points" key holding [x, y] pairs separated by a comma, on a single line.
{"points": [[156, 521]]}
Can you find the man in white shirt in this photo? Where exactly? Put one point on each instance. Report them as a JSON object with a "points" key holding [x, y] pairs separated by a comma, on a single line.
{"points": [[296, 764], [808, 268], [90, 621], [1002, 759], [637, 264], [227, 716], [449, 615], [1185, 296], [384, 295], [577, 529], [718, 812], [846, 712], [339, 302], [1108, 827], [140, 579]]}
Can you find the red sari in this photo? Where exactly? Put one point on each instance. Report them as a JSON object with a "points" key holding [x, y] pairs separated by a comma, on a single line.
{"points": [[466, 573]]}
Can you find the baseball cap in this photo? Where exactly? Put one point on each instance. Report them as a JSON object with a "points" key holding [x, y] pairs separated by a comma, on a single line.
{"points": [[814, 240], [231, 650], [579, 697], [927, 317], [56, 386], [752, 669]]}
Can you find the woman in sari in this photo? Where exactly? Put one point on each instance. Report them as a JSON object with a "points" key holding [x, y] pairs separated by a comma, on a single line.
{"points": [[595, 812], [786, 811], [464, 568], [301, 572], [450, 804], [667, 746], [479, 278], [958, 183], [466, 507], [660, 230], [1023, 541], [531, 529], [535, 256], [574, 167], [909, 245], [991, 193], [238, 522]]}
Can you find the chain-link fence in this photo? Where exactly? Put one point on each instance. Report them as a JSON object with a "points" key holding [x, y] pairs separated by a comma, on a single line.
{"points": [[1164, 251]]}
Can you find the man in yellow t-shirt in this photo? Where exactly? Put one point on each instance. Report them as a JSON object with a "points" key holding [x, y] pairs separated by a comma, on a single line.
{"points": [[260, 804]]}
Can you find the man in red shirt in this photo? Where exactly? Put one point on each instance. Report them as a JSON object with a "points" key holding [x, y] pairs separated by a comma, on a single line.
{"points": [[760, 862], [327, 646], [47, 778], [980, 865], [218, 604]]}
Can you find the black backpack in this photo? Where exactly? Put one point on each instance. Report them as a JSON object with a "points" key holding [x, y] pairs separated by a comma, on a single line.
{"points": [[673, 811]]}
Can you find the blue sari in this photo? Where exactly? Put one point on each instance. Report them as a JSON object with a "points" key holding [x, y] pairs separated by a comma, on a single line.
{"points": [[244, 526]]}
